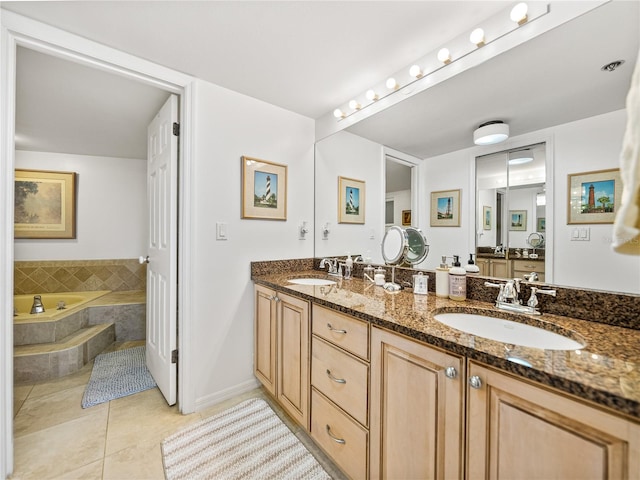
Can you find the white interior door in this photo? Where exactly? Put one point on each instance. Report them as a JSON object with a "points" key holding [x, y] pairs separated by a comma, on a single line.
{"points": [[162, 171]]}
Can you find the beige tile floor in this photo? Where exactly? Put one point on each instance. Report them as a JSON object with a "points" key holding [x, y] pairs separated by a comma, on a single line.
{"points": [[55, 438]]}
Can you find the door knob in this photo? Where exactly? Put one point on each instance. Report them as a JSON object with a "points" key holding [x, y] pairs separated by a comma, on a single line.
{"points": [[142, 259]]}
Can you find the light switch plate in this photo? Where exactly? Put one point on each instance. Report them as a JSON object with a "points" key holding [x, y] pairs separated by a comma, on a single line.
{"points": [[221, 231]]}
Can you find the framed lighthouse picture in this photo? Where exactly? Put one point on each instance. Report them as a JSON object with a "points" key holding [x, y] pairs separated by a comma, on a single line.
{"points": [[445, 208], [594, 197], [351, 199], [264, 189]]}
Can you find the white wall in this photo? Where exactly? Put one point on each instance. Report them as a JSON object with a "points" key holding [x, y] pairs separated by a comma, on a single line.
{"points": [[111, 208], [401, 201], [585, 145], [229, 125], [348, 155]]}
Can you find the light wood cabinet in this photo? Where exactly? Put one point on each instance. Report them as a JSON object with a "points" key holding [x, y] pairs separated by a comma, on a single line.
{"points": [[518, 429], [523, 267], [281, 350], [494, 267], [416, 410]]}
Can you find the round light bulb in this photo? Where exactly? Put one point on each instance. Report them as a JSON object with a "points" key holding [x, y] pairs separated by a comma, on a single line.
{"points": [[371, 95], [415, 71], [338, 113], [353, 105], [477, 37], [444, 56], [519, 13], [392, 84]]}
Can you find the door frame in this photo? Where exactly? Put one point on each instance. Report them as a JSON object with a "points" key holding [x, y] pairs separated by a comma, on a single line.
{"points": [[17, 30]]}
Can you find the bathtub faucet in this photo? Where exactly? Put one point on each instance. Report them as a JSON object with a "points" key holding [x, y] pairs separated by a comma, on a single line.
{"points": [[37, 306]]}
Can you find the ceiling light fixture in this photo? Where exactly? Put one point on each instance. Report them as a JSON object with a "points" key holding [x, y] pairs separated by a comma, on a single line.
{"points": [[520, 157], [444, 56], [372, 95], [415, 71], [353, 105], [339, 113], [477, 37], [519, 13], [610, 67], [492, 132], [392, 84]]}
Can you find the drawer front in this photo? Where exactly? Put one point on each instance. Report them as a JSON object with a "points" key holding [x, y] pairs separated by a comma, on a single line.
{"points": [[528, 265], [342, 330], [339, 436], [341, 377]]}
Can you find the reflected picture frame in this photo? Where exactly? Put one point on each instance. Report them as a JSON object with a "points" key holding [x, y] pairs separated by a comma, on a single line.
{"points": [[264, 189], [44, 204], [593, 197], [518, 220], [486, 217], [351, 200], [445, 208], [406, 217]]}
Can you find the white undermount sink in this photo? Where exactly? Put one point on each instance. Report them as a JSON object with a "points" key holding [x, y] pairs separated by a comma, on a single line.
{"points": [[311, 281], [507, 331]]}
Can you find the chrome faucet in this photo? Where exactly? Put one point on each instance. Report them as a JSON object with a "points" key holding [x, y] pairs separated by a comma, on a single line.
{"points": [[334, 269], [509, 297], [37, 306]]}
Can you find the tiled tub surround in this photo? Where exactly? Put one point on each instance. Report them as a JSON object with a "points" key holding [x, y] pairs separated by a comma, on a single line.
{"points": [[46, 348], [606, 371], [52, 276]]}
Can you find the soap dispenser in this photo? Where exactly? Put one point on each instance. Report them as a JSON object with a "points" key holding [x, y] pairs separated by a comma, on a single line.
{"points": [[471, 267], [457, 281], [348, 266], [442, 279]]}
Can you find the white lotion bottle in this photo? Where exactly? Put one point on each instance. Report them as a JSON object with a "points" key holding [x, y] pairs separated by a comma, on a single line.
{"points": [[348, 266], [471, 267], [442, 279], [457, 281]]}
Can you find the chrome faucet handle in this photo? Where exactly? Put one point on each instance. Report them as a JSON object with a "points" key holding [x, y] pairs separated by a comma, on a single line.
{"points": [[533, 299], [493, 285], [509, 290], [545, 292]]}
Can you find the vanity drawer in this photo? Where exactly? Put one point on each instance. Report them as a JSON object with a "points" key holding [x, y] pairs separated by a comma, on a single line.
{"points": [[339, 436], [346, 332], [341, 377], [528, 266]]}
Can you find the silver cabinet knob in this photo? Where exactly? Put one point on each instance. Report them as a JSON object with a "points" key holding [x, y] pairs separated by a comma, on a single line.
{"points": [[142, 259], [274, 298], [475, 382], [451, 372]]}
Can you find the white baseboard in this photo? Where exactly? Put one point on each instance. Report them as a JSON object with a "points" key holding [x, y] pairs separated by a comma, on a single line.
{"points": [[226, 394]]}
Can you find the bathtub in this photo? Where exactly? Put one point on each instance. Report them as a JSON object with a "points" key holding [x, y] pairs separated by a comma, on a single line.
{"points": [[22, 304]]}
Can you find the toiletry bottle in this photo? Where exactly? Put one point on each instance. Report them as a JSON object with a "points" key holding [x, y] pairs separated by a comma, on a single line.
{"points": [[442, 278], [471, 267], [380, 276], [348, 266], [457, 281], [368, 274]]}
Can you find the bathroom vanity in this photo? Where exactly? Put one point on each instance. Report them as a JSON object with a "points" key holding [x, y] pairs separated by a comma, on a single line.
{"points": [[388, 391]]}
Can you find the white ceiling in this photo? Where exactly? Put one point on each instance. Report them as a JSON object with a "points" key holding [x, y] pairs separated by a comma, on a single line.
{"points": [[309, 57]]}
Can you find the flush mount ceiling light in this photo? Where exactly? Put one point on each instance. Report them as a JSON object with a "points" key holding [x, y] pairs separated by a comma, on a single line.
{"points": [[520, 157], [488, 133]]}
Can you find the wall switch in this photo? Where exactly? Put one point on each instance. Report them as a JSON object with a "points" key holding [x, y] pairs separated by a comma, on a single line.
{"points": [[580, 234], [221, 231]]}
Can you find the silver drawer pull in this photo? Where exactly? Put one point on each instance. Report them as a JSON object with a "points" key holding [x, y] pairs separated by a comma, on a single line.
{"points": [[335, 330], [341, 441], [337, 380]]}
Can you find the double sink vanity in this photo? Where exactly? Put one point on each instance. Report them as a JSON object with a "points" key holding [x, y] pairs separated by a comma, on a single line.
{"points": [[400, 385]]}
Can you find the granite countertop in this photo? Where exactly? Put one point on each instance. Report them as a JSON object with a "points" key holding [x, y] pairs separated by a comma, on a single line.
{"points": [[606, 371]]}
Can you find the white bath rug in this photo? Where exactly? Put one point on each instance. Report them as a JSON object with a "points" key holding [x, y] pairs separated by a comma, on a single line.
{"points": [[247, 441], [117, 374]]}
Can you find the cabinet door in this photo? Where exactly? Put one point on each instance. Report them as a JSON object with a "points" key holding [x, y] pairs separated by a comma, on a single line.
{"points": [[293, 357], [483, 265], [520, 430], [264, 366], [500, 268], [416, 410]]}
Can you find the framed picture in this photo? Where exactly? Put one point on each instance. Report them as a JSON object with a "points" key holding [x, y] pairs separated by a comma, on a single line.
{"points": [[486, 218], [351, 195], [594, 197], [406, 217], [541, 224], [518, 220], [445, 208], [264, 189], [45, 204]]}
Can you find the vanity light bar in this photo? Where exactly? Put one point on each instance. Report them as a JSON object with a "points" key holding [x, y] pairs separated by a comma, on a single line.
{"points": [[458, 48]]}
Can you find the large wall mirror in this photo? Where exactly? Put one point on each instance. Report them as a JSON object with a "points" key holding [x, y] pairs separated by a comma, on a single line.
{"points": [[561, 108]]}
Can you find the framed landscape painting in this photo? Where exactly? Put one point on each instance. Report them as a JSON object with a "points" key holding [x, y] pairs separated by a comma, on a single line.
{"points": [[351, 196], [486, 218], [44, 204], [594, 197], [518, 220], [445, 208], [264, 189]]}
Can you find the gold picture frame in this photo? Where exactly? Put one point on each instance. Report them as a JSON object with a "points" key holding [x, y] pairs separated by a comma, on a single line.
{"points": [[406, 217], [264, 189], [486, 217], [593, 197], [44, 204], [351, 200], [445, 208], [518, 220]]}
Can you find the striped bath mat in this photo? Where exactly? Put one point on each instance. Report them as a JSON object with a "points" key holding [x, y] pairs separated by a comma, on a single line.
{"points": [[117, 374], [247, 441]]}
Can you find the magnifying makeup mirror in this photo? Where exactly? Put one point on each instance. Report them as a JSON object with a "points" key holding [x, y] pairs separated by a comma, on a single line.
{"points": [[402, 245]]}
